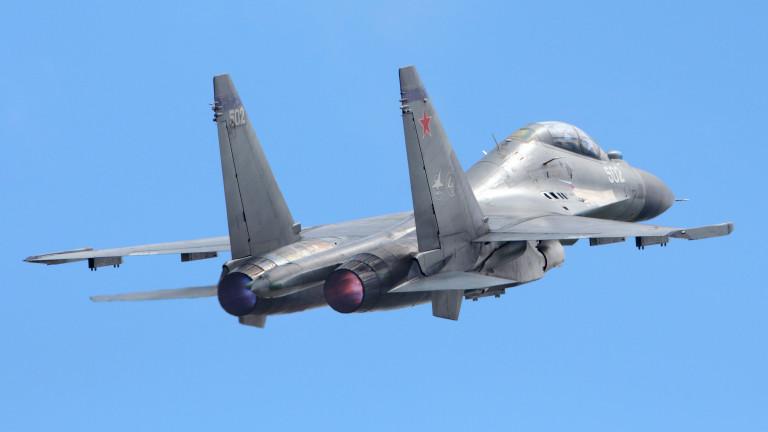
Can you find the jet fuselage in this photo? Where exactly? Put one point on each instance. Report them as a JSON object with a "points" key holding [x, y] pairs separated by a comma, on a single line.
{"points": [[472, 234], [517, 179]]}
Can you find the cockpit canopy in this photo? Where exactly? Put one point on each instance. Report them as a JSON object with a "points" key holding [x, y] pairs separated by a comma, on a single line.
{"points": [[559, 134]]}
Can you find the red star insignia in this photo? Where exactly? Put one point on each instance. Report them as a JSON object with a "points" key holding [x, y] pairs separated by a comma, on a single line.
{"points": [[425, 119]]}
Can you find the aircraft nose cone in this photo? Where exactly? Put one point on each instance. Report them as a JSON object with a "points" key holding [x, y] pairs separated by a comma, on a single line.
{"points": [[235, 295], [658, 197]]}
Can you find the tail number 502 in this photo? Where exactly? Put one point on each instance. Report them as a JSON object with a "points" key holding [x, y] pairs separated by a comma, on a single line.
{"points": [[237, 116]]}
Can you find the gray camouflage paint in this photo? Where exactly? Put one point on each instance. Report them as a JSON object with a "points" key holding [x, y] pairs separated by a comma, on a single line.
{"points": [[502, 223]]}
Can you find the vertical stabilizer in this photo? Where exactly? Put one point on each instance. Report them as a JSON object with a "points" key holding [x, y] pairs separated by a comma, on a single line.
{"points": [[257, 215], [446, 211]]}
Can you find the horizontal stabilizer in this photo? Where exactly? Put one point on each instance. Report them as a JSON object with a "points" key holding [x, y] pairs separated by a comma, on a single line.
{"points": [[168, 294], [450, 281]]}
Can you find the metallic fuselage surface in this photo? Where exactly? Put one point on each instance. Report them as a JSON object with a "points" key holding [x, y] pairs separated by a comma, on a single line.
{"points": [[517, 179], [502, 223]]}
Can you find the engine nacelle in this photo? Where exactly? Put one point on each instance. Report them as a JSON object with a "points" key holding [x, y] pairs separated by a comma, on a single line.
{"points": [[362, 283], [234, 290], [524, 261], [357, 284]]}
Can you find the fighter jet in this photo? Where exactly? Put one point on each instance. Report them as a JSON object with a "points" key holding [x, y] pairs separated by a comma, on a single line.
{"points": [[501, 224]]}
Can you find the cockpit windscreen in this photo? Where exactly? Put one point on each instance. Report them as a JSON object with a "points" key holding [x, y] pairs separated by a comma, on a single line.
{"points": [[561, 135]]}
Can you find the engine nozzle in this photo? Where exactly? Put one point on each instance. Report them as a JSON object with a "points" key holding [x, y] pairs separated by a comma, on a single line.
{"points": [[235, 295], [344, 291], [355, 286]]}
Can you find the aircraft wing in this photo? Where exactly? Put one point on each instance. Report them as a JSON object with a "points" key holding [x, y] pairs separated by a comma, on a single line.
{"points": [[189, 250], [599, 231]]}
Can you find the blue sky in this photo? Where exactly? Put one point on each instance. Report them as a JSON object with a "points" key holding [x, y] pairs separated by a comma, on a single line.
{"points": [[107, 140]]}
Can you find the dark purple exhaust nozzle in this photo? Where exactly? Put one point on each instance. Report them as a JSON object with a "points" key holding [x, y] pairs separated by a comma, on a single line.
{"points": [[235, 295]]}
